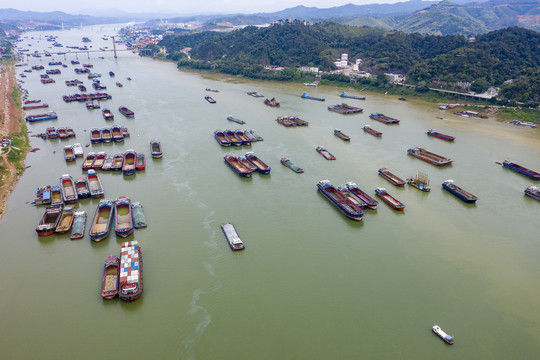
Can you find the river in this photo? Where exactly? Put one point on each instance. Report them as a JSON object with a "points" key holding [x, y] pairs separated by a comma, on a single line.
{"points": [[311, 284]]}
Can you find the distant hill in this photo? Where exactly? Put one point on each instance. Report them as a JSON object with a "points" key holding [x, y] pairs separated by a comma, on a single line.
{"points": [[52, 19]]}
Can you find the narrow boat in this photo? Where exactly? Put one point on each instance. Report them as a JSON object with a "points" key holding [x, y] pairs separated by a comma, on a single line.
{"points": [[94, 184], [87, 163], [56, 196], [341, 135], [533, 191], [211, 90], [95, 136], [247, 164], [349, 195], [521, 169], [210, 99], [232, 118], [62, 133], [118, 162], [434, 159], [109, 283], [389, 199], [117, 135], [106, 134], [119, 84], [51, 133], [435, 133], [455, 190], [49, 221], [232, 237], [237, 165], [95, 104], [99, 160], [440, 333], [81, 87], [233, 137], [107, 163], [255, 94], [51, 115], [222, 138], [155, 149], [70, 131], [385, 173], [123, 221], [81, 185], [347, 95], [66, 219], [371, 131], [39, 106], [272, 102], [383, 118], [306, 96], [89, 104], [140, 163], [128, 168], [79, 225], [288, 163], [130, 284], [101, 225], [325, 153], [125, 131], [69, 154], [258, 163], [250, 136], [69, 193], [257, 136], [346, 206], [420, 181], [139, 219], [242, 136], [345, 109], [111, 74], [126, 112], [370, 202], [107, 114]]}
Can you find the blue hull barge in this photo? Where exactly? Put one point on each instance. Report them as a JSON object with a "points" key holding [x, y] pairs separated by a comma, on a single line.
{"points": [[344, 204], [520, 169], [306, 96], [453, 189], [48, 116], [346, 95]]}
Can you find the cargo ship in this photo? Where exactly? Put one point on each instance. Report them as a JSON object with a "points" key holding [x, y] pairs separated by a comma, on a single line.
{"points": [[371, 131], [347, 95], [130, 283], [389, 199], [385, 173], [345, 109], [520, 169], [455, 190], [345, 205], [435, 133], [48, 116], [383, 118], [370, 202], [307, 96], [434, 159], [232, 237]]}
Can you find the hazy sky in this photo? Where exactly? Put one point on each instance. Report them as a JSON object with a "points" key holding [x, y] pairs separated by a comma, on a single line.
{"points": [[180, 6]]}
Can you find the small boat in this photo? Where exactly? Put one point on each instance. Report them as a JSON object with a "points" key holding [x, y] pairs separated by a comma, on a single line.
{"points": [[49, 221], [370, 202], [521, 169], [106, 134], [39, 106], [62, 133], [95, 104], [117, 135], [111, 272], [128, 168], [69, 192], [347, 95], [126, 112], [435, 133], [123, 221], [101, 225], [389, 199], [210, 99], [402, 99], [107, 114], [440, 333], [81, 87], [51, 115], [288, 163], [118, 162], [66, 219], [434, 159], [255, 135], [258, 163], [371, 131], [69, 154], [272, 102], [345, 109], [237, 165], [119, 84], [533, 191], [233, 137], [255, 94], [95, 136], [421, 182], [89, 104], [232, 237], [99, 160], [111, 74], [140, 163], [345, 205], [51, 133], [232, 118], [453, 189], [242, 136], [139, 219], [325, 153], [212, 90], [79, 225], [222, 138], [107, 163], [43, 196], [155, 149], [32, 101], [128, 78], [383, 118], [94, 184], [87, 163], [125, 131], [385, 173], [56, 196], [81, 185], [130, 284], [70, 131], [250, 136], [341, 135], [306, 96]]}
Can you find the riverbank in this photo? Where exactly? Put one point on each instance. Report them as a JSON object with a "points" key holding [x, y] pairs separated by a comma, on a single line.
{"points": [[13, 129]]}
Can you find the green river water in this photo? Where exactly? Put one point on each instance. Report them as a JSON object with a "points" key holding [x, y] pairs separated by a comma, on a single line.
{"points": [[311, 284]]}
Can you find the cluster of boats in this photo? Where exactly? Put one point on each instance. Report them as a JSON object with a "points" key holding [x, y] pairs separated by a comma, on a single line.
{"points": [[349, 199], [123, 277], [247, 164], [86, 97], [236, 137], [58, 133], [289, 121], [107, 134], [128, 162]]}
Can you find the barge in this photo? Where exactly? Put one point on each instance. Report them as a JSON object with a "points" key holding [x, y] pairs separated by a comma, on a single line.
{"points": [[345, 109], [461, 194], [307, 96], [520, 169], [434, 159], [383, 118], [385, 173], [325, 153], [371, 131], [130, 283], [232, 237], [370, 202], [347, 95], [389, 199], [435, 133], [533, 191], [340, 201]]}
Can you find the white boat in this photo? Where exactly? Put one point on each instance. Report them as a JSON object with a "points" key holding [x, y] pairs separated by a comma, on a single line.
{"points": [[232, 237], [449, 339], [78, 150]]}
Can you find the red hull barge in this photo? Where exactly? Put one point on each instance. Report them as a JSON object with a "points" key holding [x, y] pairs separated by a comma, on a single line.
{"points": [[389, 199], [369, 130], [237, 165], [520, 169], [385, 173], [49, 221], [325, 153], [344, 204], [435, 133], [434, 159], [370, 202], [384, 119]]}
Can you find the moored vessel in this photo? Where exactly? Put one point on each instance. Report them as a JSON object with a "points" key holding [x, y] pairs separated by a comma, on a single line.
{"points": [[385, 173], [117, 135], [155, 149], [347, 95], [237, 165], [307, 96], [137, 211], [521, 169], [140, 163], [78, 150], [233, 137], [210, 99], [434, 159], [345, 109], [128, 168], [101, 224], [371, 131], [99, 160], [435, 133], [106, 134], [370, 202], [87, 163], [69, 193], [258, 163], [288, 163], [325, 153], [222, 138], [94, 184], [130, 284], [232, 237], [66, 220], [123, 221], [107, 114], [440, 333], [383, 118], [233, 119], [109, 283], [81, 185], [455, 190], [340, 201], [48, 116], [420, 181], [272, 102], [341, 135], [242, 137], [95, 136], [118, 162], [69, 154], [49, 221], [389, 199], [126, 112], [79, 225], [533, 191]]}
